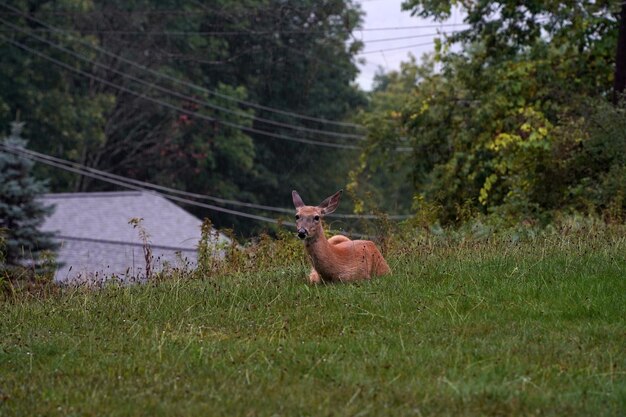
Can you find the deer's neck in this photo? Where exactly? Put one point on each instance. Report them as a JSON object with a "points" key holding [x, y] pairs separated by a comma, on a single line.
{"points": [[322, 255]]}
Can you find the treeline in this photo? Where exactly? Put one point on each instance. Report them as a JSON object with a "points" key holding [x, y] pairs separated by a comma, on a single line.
{"points": [[203, 96], [516, 116]]}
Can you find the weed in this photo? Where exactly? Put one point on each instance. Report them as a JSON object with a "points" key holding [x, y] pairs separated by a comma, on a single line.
{"points": [[147, 249]]}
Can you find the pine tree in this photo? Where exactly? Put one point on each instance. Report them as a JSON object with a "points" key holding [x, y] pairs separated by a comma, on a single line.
{"points": [[21, 214]]}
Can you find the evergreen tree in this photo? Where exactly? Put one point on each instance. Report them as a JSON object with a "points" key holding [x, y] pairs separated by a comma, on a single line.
{"points": [[21, 214]]}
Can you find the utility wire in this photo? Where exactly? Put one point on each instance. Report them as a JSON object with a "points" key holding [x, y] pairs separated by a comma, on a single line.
{"points": [[298, 51], [94, 171], [124, 184], [182, 82], [401, 38], [195, 13], [224, 33], [145, 185], [180, 95], [433, 26], [177, 108], [397, 49], [264, 219], [185, 111]]}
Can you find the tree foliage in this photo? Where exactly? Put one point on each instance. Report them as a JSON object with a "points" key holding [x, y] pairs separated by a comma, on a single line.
{"points": [[514, 119], [21, 215], [155, 89]]}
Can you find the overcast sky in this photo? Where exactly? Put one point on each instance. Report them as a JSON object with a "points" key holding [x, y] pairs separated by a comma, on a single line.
{"points": [[388, 14]]}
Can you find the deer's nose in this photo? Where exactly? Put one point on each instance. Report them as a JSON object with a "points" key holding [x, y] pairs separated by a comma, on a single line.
{"points": [[302, 233]]}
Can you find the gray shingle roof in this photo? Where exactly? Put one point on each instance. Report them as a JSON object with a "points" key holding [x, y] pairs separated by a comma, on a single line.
{"points": [[96, 238]]}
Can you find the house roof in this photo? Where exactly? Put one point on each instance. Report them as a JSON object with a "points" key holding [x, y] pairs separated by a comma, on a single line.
{"points": [[96, 235]]}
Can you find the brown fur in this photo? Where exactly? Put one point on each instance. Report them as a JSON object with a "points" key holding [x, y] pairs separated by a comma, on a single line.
{"points": [[337, 259]]}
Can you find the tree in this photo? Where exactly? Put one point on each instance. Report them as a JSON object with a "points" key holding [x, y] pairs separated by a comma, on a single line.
{"points": [[620, 58], [292, 55], [505, 126], [375, 183], [21, 214]]}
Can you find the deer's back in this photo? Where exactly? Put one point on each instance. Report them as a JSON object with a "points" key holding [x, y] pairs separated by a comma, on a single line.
{"points": [[360, 259]]}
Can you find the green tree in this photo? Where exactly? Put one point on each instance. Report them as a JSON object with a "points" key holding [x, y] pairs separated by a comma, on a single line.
{"points": [[21, 215], [52, 101], [302, 64], [375, 183], [113, 112], [497, 128]]}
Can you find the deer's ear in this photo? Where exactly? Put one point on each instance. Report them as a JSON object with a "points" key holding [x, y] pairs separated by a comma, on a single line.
{"points": [[297, 201], [330, 204]]}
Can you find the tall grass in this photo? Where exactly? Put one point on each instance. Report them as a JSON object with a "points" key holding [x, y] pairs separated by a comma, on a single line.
{"points": [[466, 325]]}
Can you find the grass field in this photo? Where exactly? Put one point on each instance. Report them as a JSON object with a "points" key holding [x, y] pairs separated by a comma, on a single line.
{"points": [[484, 329]]}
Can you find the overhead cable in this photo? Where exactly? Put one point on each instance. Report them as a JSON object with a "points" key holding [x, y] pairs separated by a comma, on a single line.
{"points": [[183, 82], [185, 111], [397, 48], [401, 38], [195, 13], [146, 185], [138, 188], [180, 95], [166, 196], [174, 107]]}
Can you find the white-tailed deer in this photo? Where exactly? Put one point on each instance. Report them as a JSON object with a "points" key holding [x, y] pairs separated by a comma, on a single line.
{"points": [[337, 259]]}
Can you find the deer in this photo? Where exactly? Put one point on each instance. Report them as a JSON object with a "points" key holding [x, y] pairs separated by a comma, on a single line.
{"points": [[338, 259]]}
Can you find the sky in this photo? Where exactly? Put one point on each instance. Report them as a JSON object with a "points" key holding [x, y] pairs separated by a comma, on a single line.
{"points": [[388, 14]]}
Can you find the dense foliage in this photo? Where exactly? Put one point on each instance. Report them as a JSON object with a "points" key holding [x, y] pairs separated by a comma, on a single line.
{"points": [[153, 90], [513, 115], [510, 116]]}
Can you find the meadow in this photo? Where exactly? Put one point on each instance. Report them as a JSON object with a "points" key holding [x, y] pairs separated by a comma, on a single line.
{"points": [[485, 327]]}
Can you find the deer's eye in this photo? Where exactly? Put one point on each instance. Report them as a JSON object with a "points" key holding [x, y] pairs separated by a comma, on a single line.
{"points": [[316, 218], [297, 217]]}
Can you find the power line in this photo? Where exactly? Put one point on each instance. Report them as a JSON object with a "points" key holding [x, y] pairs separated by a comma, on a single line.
{"points": [[180, 95], [48, 158], [182, 33], [185, 83], [173, 32], [298, 51], [398, 48], [138, 188], [196, 13], [269, 121], [400, 38], [223, 33], [183, 110], [143, 184], [177, 108], [169, 197], [120, 243], [433, 26]]}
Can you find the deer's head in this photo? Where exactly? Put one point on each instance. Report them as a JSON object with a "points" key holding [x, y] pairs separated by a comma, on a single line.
{"points": [[309, 218]]}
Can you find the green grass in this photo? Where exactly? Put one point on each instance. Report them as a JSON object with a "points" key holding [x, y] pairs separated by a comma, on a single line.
{"points": [[469, 330]]}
